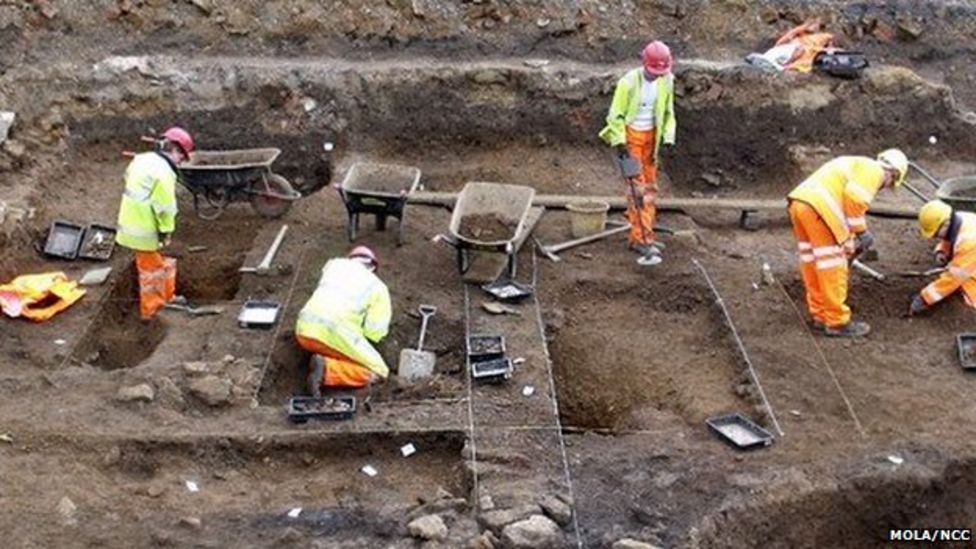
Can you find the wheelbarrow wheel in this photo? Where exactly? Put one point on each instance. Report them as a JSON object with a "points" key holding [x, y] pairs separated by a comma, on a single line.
{"points": [[270, 206]]}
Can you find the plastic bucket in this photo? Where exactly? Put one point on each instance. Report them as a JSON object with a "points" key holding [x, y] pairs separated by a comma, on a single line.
{"points": [[587, 218]]}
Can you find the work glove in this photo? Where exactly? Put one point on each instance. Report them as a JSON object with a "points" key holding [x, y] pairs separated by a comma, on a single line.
{"points": [[863, 242], [917, 305], [621, 151], [850, 248], [638, 191], [165, 239], [941, 258]]}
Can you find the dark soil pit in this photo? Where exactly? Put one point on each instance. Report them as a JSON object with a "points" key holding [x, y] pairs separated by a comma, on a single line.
{"points": [[626, 347], [119, 338], [487, 228], [214, 273]]}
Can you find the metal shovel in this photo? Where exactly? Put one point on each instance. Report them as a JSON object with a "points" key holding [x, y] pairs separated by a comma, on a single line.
{"points": [[418, 364]]}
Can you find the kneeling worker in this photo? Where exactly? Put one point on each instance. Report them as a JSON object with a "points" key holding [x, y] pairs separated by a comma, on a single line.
{"points": [[828, 215], [348, 312], [956, 251]]}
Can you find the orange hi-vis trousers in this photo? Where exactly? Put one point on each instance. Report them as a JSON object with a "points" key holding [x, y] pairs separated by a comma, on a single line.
{"points": [[823, 265], [640, 145], [157, 282], [339, 370]]}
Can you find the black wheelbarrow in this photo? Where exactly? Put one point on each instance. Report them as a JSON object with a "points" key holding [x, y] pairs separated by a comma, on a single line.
{"points": [[380, 190], [218, 178]]}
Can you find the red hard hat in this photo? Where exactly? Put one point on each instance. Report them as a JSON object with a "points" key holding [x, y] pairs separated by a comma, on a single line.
{"points": [[657, 59], [366, 253], [181, 137]]}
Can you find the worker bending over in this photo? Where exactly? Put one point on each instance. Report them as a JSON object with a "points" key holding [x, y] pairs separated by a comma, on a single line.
{"points": [[956, 251], [147, 217], [640, 120], [348, 312], [828, 214]]}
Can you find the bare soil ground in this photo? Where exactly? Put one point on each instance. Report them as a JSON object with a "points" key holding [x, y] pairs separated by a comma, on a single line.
{"points": [[621, 365]]}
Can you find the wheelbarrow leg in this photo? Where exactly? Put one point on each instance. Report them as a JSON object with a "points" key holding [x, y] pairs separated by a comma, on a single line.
{"points": [[399, 231], [351, 226], [512, 265], [462, 261], [380, 222]]}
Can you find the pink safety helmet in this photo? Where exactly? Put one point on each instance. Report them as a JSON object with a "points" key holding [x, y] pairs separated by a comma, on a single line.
{"points": [[657, 59], [181, 137]]}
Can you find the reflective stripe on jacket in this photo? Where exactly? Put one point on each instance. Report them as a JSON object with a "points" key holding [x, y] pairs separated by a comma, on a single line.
{"points": [[841, 192], [349, 309], [148, 205], [961, 271], [626, 103]]}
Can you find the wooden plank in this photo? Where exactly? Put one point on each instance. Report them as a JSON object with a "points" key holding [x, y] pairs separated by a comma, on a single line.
{"points": [[558, 201]]}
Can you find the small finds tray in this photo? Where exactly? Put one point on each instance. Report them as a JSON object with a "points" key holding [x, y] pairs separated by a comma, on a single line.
{"points": [[966, 343], [485, 347], [302, 409], [508, 290], [258, 314], [98, 243], [63, 240], [492, 371], [739, 431]]}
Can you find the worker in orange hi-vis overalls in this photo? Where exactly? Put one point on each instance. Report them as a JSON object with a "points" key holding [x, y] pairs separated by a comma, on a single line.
{"points": [[640, 120], [147, 217], [955, 252], [828, 215]]}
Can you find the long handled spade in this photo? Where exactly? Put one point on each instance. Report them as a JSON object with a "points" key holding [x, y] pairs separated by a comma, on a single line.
{"points": [[631, 170]]}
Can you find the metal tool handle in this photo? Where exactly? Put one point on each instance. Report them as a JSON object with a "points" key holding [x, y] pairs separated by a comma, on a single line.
{"points": [[935, 182], [426, 311]]}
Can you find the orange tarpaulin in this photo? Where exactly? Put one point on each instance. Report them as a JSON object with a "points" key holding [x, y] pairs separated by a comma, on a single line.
{"points": [[39, 297]]}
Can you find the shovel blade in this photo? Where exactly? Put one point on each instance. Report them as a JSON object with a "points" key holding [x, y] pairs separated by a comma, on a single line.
{"points": [[416, 365]]}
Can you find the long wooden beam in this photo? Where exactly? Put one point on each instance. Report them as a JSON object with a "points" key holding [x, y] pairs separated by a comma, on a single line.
{"points": [[559, 201]]}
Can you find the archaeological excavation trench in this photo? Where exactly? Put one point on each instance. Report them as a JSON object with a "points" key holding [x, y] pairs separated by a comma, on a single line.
{"points": [[602, 427]]}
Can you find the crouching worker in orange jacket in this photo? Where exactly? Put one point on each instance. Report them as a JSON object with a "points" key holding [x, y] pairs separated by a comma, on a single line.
{"points": [[956, 251], [348, 312], [828, 215]]}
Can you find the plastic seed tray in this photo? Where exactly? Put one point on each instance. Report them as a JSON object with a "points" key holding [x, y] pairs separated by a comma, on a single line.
{"points": [[259, 314], [485, 347], [302, 409], [966, 343], [508, 290], [63, 240], [98, 243], [739, 431], [492, 371]]}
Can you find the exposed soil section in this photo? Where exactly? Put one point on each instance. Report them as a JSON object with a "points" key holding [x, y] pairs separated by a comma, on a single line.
{"points": [[486, 228]]}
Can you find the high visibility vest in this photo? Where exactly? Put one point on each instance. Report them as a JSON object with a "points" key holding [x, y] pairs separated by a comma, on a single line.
{"points": [[626, 103], [39, 297], [148, 205], [349, 309], [841, 191], [961, 271]]}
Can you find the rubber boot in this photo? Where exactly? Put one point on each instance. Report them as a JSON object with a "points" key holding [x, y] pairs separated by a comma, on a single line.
{"points": [[854, 328], [650, 257]]}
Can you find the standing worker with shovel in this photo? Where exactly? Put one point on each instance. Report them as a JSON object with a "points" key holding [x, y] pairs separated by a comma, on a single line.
{"points": [[640, 120], [147, 217], [348, 312], [828, 214]]}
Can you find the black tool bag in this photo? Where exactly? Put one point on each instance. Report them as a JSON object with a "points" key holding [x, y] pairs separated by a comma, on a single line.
{"points": [[842, 64]]}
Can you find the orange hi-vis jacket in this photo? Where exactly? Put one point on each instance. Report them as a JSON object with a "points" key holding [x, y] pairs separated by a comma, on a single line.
{"points": [[841, 191], [960, 245]]}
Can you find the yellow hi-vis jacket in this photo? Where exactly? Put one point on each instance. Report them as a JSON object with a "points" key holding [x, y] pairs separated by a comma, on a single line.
{"points": [[841, 191], [626, 103], [349, 309], [960, 245], [148, 205]]}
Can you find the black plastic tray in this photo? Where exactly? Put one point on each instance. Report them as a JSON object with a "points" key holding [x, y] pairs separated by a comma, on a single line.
{"points": [[485, 347], [966, 344], [63, 240], [498, 370], [508, 290], [105, 252], [302, 409], [739, 431]]}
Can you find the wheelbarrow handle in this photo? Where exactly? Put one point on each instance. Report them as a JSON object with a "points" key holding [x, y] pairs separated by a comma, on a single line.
{"points": [[924, 173]]}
